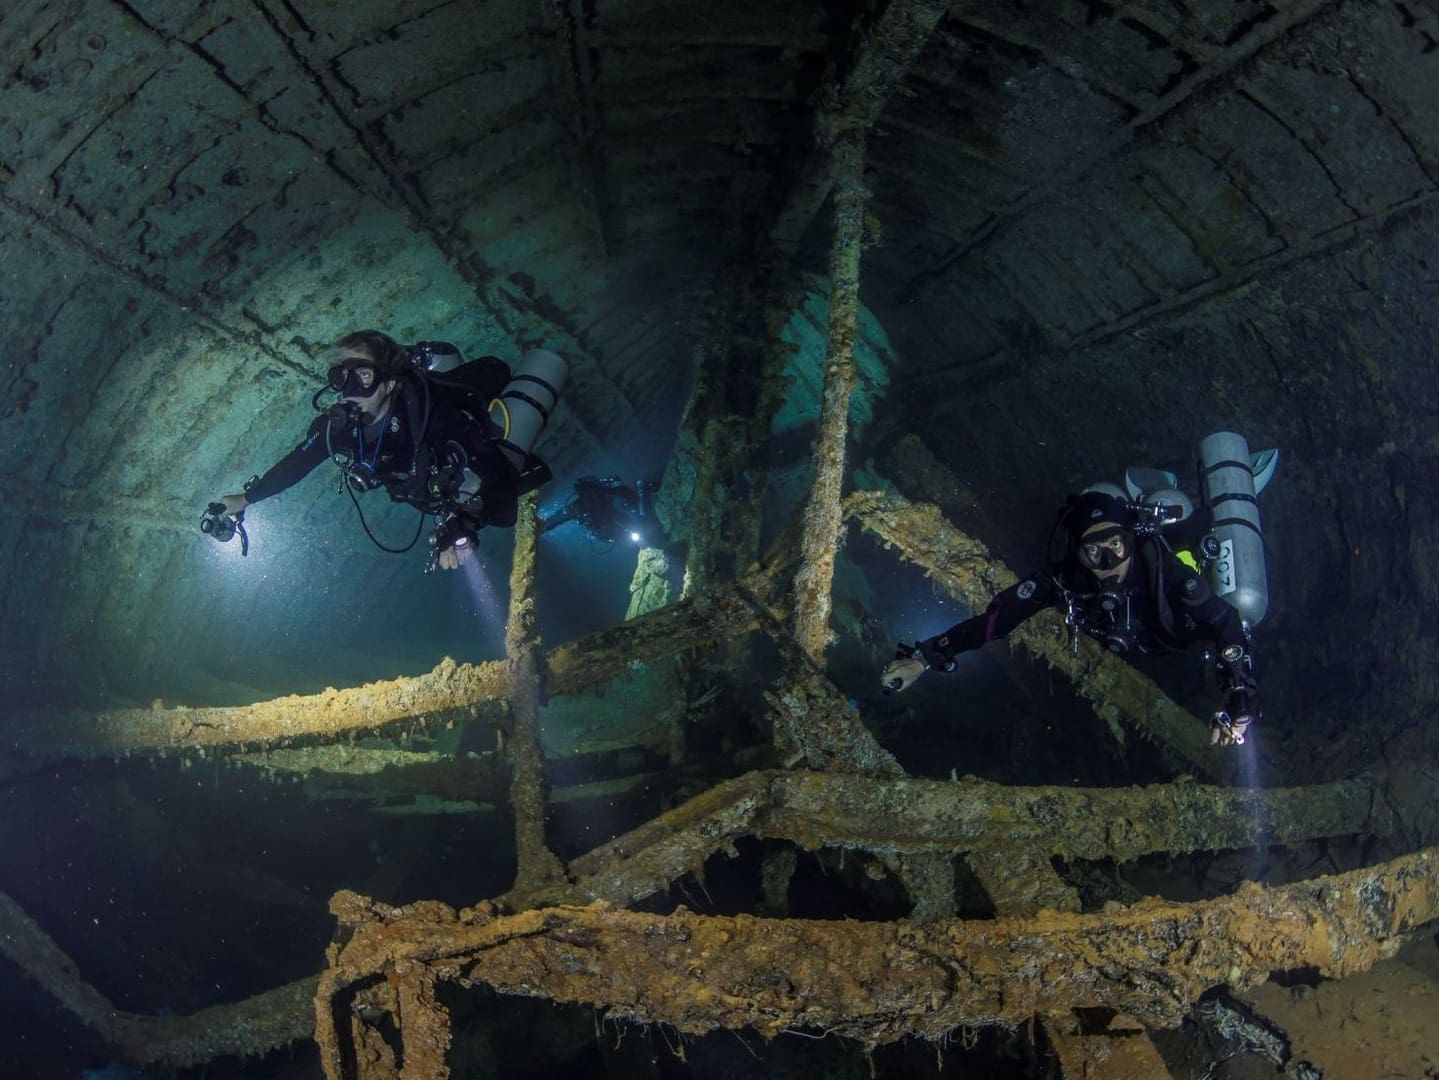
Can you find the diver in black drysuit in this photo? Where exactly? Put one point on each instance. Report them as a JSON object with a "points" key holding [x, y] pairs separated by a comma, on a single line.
{"points": [[389, 400], [458, 435], [608, 509], [1121, 583]]}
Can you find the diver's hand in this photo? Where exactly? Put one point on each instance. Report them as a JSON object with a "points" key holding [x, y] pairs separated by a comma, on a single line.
{"points": [[455, 556], [901, 674], [1228, 730], [233, 503]]}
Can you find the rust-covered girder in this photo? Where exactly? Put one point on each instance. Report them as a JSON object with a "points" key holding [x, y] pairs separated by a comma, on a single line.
{"points": [[880, 60], [451, 688], [536, 863], [909, 816], [823, 516], [968, 572], [250, 1027], [878, 982]]}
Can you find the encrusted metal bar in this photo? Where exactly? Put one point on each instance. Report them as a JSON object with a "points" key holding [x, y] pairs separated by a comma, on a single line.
{"points": [[424, 1024], [450, 688], [967, 571], [696, 481], [1023, 882], [536, 863], [881, 58], [776, 300], [811, 720], [879, 982], [253, 1026], [905, 817], [1085, 823], [648, 859], [822, 515], [913, 817]]}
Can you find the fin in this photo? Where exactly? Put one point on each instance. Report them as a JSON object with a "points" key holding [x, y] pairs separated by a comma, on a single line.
{"points": [[1262, 465], [1139, 481]]}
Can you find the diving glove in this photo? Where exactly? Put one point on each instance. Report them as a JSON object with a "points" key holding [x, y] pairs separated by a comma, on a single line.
{"points": [[452, 544], [1226, 730], [901, 672]]}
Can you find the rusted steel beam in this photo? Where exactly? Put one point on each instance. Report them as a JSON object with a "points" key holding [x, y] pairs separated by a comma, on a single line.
{"points": [[906, 815], [536, 862], [648, 859], [250, 1027], [451, 688], [823, 516], [914, 817], [697, 479], [1022, 882], [968, 572], [879, 982], [775, 295], [700, 622], [811, 720], [1123, 1050], [881, 60]]}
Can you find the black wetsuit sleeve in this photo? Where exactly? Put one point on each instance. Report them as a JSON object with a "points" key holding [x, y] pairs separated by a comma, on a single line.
{"points": [[294, 466], [1016, 604]]}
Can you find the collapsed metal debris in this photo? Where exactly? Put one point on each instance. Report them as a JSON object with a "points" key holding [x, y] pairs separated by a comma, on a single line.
{"points": [[874, 982]]}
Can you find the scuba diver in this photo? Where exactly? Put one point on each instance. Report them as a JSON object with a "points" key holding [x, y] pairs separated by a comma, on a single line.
{"points": [[450, 438], [609, 511], [1132, 575]]}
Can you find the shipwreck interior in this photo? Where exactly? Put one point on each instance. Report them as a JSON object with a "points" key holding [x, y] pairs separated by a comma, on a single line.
{"points": [[865, 287]]}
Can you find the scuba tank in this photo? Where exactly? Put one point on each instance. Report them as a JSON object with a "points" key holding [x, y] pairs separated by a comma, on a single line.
{"points": [[525, 404], [1230, 479]]}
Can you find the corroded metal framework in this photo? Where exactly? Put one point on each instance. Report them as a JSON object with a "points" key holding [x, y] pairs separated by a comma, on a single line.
{"points": [[562, 933]]}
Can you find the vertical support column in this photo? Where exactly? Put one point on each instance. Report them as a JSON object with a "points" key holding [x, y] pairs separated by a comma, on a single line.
{"points": [[699, 498], [822, 515], [775, 303], [424, 1024], [536, 863]]}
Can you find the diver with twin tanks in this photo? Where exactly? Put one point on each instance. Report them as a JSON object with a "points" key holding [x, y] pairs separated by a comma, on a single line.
{"points": [[450, 438], [1142, 570]]}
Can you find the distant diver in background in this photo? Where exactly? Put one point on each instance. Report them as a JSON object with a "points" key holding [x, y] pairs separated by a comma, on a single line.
{"points": [[1132, 575], [610, 510], [450, 438]]}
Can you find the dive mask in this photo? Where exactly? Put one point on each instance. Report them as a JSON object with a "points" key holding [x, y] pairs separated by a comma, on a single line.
{"points": [[1105, 549], [356, 380]]}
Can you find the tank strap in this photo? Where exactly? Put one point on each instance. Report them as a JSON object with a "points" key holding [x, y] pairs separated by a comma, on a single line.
{"points": [[1239, 521], [531, 402], [1226, 465]]}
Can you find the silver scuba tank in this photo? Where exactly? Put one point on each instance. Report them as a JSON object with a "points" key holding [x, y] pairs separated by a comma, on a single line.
{"points": [[1227, 476], [527, 401]]}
